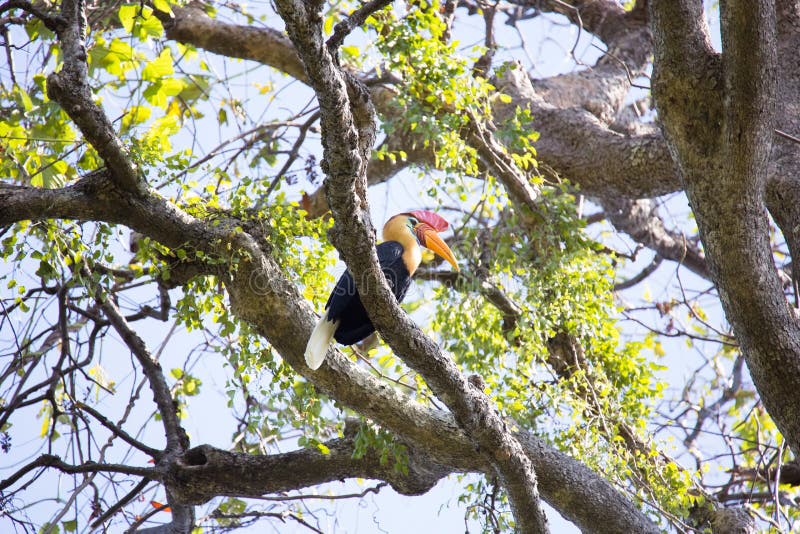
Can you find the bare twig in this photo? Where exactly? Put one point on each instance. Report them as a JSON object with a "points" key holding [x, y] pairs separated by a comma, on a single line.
{"points": [[177, 440], [121, 503], [49, 460], [117, 431]]}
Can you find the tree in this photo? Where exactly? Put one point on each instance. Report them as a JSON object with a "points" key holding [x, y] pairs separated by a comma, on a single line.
{"points": [[530, 368]]}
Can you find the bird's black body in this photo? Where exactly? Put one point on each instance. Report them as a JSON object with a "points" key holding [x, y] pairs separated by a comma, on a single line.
{"points": [[345, 305], [345, 318]]}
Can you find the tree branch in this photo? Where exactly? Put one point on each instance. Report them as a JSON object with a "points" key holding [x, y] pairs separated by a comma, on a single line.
{"points": [[581, 149], [205, 472], [177, 439], [265, 45], [261, 294], [49, 460], [49, 21], [348, 130], [641, 164], [117, 431], [120, 504], [640, 276], [725, 171], [70, 88], [356, 19]]}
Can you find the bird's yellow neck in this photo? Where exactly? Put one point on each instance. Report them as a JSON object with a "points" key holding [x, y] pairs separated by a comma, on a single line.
{"points": [[395, 229]]}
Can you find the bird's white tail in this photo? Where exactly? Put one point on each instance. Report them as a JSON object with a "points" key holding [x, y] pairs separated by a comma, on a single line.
{"points": [[319, 341]]}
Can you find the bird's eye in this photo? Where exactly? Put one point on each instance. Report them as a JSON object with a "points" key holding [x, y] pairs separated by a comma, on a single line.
{"points": [[413, 221]]}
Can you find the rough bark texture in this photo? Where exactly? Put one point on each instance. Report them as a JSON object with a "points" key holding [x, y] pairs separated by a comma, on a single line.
{"points": [[205, 472], [70, 88], [261, 294], [348, 133], [718, 116]]}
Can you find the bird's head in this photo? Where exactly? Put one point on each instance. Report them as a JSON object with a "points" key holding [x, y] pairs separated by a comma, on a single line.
{"points": [[424, 226]]}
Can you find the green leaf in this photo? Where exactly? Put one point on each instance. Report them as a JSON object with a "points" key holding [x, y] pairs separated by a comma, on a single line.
{"points": [[351, 51], [27, 103], [136, 115], [149, 25], [162, 5], [328, 25], [126, 15], [194, 87], [159, 67], [172, 86], [117, 57]]}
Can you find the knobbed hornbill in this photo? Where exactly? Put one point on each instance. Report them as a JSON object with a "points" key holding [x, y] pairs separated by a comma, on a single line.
{"points": [[345, 318]]}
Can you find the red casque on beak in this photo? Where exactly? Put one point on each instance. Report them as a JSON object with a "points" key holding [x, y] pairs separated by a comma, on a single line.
{"points": [[433, 220], [428, 228]]}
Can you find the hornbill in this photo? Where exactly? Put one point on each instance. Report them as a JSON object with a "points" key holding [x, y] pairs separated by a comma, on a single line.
{"points": [[345, 318]]}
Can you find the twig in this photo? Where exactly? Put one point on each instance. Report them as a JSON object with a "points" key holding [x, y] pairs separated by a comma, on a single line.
{"points": [[50, 460], [292, 155], [50, 22], [121, 503], [176, 436], [647, 271], [155, 453], [373, 489], [788, 136], [357, 18]]}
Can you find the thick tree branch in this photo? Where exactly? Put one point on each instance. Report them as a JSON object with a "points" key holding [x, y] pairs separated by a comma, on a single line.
{"points": [[573, 141], [348, 131], [96, 199], [687, 81], [783, 186], [261, 294], [265, 45], [580, 148], [749, 67], [70, 88], [681, 32], [205, 472], [725, 172]]}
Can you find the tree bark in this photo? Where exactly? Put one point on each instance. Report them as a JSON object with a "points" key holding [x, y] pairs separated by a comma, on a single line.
{"points": [[718, 117]]}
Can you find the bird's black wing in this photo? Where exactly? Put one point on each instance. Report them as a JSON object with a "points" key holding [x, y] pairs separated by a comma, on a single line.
{"points": [[342, 296], [345, 305], [390, 256]]}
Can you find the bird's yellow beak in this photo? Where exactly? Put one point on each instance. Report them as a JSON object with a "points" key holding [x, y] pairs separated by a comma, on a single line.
{"points": [[430, 239]]}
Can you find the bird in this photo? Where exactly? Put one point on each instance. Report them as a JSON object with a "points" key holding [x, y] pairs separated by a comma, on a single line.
{"points": [[345, 318]]}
